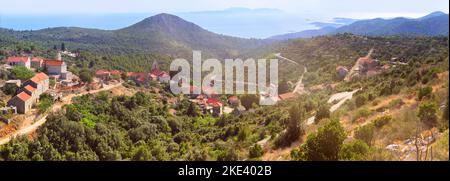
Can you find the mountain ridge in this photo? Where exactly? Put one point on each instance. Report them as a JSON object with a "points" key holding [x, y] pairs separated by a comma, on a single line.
{"points": [[162, 33], [433, 24]]}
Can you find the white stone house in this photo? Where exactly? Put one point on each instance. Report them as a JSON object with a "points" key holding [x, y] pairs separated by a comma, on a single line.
{"points": [[19, 61]]}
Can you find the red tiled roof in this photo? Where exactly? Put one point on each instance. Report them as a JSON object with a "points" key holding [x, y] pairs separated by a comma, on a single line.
{"points": [[164, 74], [115, 72], [216, 104], [17, 59], [54, 62], [213, 101], [30, 88], [158, 73], [39, 77], [155, 72], [36, 59], [139, 76], [101, 72], [23, 96], [233, 98]]}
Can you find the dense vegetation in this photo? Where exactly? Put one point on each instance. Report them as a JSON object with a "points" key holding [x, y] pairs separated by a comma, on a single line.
{"points": [[134, 128], [139, 127]]}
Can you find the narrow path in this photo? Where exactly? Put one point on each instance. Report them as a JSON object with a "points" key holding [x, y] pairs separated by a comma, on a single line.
{"points": [[299, 87]]}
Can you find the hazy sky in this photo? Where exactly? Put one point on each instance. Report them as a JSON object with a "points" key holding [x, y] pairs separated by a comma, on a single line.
{"points": [[347, 8], [242, 18]]}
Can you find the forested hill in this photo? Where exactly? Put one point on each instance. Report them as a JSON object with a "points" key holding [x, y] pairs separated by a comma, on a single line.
{"points": [[162, 33], [433, 24]]}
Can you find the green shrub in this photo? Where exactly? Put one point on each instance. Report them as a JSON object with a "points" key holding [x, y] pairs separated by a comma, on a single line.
{"points": [[22, 73], [9, 89], [366, 133], [427, 113], [361, 113], [354, 151], [424, 92], [323, 145], [396, 102], [360, 100], [381, 121], [323, 112], [255, 151]]}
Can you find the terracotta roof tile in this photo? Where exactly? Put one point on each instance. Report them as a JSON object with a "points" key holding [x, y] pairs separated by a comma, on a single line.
{"points": [[39, 77], [101, 72], [54, 62], [23, 96], [30, 88], [115, 72], [36, 59], [17, 59]]}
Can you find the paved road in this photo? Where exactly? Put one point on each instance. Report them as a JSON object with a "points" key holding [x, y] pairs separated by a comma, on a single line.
{"points": [[65, 100], [341, 97], [284, 58]]}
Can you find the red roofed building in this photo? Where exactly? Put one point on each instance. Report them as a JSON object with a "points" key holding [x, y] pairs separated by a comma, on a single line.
{"points": [[216, 106], [159, 75], [102, 73], [367, 63], [115, 72], [30, 90], [37, 62], [233, 101], [40, 82], [55, 67], [22, 102], [19, 61], [138, 77], [106, 74]]}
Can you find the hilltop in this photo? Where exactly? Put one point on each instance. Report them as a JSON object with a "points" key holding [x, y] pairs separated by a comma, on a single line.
{"points": [[162, 34]]}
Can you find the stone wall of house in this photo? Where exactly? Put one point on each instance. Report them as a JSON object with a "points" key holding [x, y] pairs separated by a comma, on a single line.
{"points": [[22, 106], [36, 65], [52, 69]]}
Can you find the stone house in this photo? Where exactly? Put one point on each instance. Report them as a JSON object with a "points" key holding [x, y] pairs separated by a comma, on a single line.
{"points": [[30, 93], [36, 62], [40, 82], [22, 102], [19, 61]]}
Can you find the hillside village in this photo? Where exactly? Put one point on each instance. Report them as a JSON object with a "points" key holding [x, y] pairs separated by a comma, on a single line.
{"points": [[27, 94], [340, 97], [66, 86]]}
